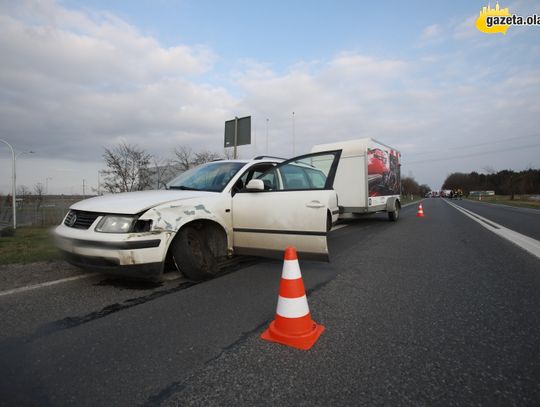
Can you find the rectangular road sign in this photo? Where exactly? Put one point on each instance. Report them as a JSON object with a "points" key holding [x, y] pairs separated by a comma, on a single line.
{"points": [[243, 131]]}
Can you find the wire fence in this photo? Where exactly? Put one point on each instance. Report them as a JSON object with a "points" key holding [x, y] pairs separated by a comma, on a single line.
{"points": [[35, 211]]}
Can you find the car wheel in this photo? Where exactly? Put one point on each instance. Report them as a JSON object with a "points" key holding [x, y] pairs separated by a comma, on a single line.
{"points": [[192, 255], [394, 215], [328, 222]]}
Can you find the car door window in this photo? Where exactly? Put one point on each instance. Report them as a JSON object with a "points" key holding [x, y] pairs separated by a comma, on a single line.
{"points": [[307, 172], [270, 180], [294, 177], [251, 173], [316, 178]]}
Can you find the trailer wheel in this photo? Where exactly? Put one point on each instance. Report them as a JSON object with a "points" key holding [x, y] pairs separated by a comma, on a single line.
{"points": [[191, 253], [394, 215]]}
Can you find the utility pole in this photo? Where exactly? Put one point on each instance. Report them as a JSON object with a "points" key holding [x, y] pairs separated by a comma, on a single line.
{"points": [[235, 136], [255, 137], [84, 188], [293, 136], [267, 120], [47, 185]]}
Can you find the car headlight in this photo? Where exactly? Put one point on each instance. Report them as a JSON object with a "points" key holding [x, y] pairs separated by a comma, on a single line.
{"points": [[115, 224]]}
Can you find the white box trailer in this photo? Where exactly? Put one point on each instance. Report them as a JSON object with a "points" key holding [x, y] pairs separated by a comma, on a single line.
{"points": [[367, 178]]}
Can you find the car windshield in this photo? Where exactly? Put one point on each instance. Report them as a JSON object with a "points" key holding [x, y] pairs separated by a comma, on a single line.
{"points": [[207, 177]]}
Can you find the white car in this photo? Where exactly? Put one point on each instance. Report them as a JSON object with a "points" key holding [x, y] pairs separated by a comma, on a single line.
{"points": [[215, 210]]}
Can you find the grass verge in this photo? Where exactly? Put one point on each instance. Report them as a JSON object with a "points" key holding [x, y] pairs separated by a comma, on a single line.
{"points": [[519, 201], [29, 245], [407, 199]]}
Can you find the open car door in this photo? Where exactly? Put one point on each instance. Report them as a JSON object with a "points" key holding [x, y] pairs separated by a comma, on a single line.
{"points": [[288, 205]]}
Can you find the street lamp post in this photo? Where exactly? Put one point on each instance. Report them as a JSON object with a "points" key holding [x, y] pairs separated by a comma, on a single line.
{"points": [[267, 120], [293, 136], [13, 198], [47, 185]]}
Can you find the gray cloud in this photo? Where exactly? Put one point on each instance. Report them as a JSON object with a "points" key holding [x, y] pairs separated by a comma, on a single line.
{"points": [[73, 82]]}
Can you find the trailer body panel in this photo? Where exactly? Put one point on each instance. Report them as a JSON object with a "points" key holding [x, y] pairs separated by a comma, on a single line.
{"points": [[368, 175]]}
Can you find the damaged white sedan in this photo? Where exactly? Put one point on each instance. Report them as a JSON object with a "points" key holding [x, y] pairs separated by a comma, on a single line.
{"points": [[206, 214]]}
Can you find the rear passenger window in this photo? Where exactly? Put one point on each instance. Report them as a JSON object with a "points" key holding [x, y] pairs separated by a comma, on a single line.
{"points": [[317, 178], [294, 177]]}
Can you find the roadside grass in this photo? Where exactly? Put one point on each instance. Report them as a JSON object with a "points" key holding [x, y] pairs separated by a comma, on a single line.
{"points": [[521, 201], [29, 245], [407, 199]]}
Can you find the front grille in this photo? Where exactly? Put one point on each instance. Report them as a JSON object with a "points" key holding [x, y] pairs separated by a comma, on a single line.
{"points": [[80, 219]]}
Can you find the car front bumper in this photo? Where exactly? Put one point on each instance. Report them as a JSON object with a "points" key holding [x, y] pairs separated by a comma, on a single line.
{"points": [[128, 254]]}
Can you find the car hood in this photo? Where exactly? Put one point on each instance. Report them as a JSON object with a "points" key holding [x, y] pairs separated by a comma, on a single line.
{"points": [[131, 203]]}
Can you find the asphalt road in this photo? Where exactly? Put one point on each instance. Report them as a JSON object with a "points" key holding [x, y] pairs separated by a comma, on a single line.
{"points": [[430, 311], [522, 220]]}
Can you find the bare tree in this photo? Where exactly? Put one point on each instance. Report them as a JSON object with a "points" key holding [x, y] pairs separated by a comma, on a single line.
{"points": [[23, 191], [127, 169], [409, 186], [39, 190], [162, 172], [204, 157], [184, 158]]}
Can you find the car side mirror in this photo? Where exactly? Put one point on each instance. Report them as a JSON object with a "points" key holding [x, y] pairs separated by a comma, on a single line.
{"points": [[255, 185]]}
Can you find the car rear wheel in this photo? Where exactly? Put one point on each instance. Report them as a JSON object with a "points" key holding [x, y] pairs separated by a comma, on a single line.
{"points": [[394, 215], [192, 254]]}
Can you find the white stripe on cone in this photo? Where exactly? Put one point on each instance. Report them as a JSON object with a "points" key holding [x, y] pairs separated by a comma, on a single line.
{"points": [[291, 270], [292, 307]]}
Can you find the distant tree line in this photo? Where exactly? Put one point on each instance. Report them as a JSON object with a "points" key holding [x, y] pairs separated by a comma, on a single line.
{"points": [[409, 186], [504, 182], [24, 193]]}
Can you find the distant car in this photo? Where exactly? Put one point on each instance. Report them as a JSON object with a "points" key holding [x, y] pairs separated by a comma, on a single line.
{"points": [[255, 207], [446, 193]]}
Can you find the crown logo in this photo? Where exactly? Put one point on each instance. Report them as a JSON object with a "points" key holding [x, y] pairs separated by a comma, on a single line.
{"points": [[488, 13]]}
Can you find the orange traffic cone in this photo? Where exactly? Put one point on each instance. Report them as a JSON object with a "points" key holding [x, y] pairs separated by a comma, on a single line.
{"points": [[293, 325], [420, 213]]}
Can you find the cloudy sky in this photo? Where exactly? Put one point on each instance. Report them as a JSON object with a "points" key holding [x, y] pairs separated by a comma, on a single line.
{"points": [[77, 76]]}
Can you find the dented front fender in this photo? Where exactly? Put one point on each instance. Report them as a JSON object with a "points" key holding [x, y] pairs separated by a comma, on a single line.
{"points": [[171, 217]]}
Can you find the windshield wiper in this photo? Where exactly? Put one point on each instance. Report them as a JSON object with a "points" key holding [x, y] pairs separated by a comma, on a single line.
{"points": [[184, 188]]}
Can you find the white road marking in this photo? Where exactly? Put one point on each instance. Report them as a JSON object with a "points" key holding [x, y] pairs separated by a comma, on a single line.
{"points": [[46, 284], [525, 242], [338, 227], [517, 208]]}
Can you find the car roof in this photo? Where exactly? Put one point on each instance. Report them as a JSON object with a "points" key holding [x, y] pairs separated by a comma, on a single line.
{"points": [[253, 160]]}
